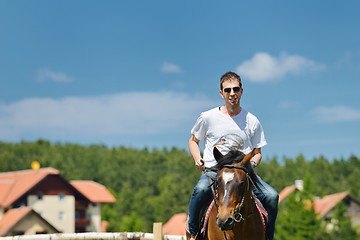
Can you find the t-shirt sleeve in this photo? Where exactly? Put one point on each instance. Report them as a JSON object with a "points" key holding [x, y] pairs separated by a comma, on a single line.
{"points": [[200, 128], [258, 140]]}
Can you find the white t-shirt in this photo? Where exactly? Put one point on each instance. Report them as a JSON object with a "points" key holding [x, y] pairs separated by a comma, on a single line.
{"points": [[243, 132]]}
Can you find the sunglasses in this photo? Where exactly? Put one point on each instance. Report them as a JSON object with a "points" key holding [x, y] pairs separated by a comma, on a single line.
{"points": [[235, 89]]}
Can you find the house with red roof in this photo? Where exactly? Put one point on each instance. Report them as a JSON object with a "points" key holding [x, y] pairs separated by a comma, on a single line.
{"points": [[24, 221], [325, 206], [52, 202], [175, 225]]}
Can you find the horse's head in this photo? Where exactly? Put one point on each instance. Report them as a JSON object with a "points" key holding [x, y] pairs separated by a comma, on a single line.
{"points": [[232, 183]]}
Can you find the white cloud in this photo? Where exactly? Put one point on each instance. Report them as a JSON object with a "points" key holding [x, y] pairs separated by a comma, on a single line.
{"points": [[288, 105], [337, 113], [126, 113], [263, 67], [349, 59], [45, 74], [170, 68]]}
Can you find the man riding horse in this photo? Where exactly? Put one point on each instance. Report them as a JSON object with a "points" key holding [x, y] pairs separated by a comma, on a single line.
{"points": [[226, 126]]}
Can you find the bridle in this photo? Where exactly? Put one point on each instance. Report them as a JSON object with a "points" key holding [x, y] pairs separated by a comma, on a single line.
{"points": [[237, 216]]}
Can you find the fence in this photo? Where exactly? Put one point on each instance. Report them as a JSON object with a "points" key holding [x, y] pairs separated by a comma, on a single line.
{"points": [[156, 235]]}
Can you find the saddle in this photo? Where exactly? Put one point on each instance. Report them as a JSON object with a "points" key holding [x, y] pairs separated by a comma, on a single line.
{"points": [[205, 214]]}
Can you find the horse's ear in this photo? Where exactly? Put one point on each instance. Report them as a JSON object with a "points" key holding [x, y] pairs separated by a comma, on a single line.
{"points": [[248, 156], [217, 154]]}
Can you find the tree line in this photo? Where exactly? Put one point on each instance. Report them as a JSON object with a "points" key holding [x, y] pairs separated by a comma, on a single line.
{"points": [[152, 185]]}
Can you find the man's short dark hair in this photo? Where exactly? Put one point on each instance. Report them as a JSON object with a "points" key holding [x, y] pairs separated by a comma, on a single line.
{"points": [[229, 76]]}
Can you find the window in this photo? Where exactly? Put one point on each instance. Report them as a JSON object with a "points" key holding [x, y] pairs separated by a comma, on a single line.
{"points": [[16, 233], [61, 215], [40, 195], [61, 196]]}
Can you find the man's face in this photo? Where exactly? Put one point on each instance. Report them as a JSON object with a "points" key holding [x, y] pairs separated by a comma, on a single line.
{"points": [[231, 92]]}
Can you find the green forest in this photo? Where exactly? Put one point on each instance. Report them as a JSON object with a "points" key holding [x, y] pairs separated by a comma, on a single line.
{"points": [[153, 185]]}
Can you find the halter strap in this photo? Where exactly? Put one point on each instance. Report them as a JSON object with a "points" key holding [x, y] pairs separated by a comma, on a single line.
{"points": [[237, 167]]}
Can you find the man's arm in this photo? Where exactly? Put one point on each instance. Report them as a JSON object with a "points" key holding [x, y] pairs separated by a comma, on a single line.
{"points": [[195, 152], [256, 158]]}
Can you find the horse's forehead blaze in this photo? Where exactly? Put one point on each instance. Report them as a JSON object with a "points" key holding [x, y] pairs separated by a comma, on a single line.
{"points": [[228, 177]]}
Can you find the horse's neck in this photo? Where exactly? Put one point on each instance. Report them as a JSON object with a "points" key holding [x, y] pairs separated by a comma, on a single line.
{"points": [[248, 203]]}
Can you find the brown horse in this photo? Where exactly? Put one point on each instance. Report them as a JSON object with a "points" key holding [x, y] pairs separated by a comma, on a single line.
{"points": [[235, 215]]}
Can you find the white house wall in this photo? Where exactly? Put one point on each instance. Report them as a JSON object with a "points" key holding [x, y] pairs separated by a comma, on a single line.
{"points": [[353, 213], [59, 213], [94, 211], [31, 224]]}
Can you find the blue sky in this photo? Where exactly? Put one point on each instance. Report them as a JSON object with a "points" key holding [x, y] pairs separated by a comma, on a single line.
{"points": [[138, 73]]}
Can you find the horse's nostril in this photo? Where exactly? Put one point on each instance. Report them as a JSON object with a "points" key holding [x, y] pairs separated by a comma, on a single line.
{"points": [[229, 222], [218, 222], [225, 223]]}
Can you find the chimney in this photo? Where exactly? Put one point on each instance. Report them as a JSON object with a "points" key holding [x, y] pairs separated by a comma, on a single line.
{"points": [[299, 185]]}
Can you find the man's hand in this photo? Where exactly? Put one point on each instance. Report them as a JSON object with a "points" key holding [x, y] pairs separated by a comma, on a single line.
{"points": [[256, 157], [195, 152], [199, 164]]}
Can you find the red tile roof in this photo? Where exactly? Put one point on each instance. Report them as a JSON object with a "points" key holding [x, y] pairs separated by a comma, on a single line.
{"points": [[175, 225], [15, 184], [327, 203], [5, 187], [93, 191], [321, 206], [12, 217], [285, 192]]}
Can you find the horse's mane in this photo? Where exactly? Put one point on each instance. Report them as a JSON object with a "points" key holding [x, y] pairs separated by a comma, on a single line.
{"points": [[236, 156]]}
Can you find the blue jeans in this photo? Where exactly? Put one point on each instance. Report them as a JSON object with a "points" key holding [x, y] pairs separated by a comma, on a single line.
{"points": [[269, 197], [202, 193]]}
